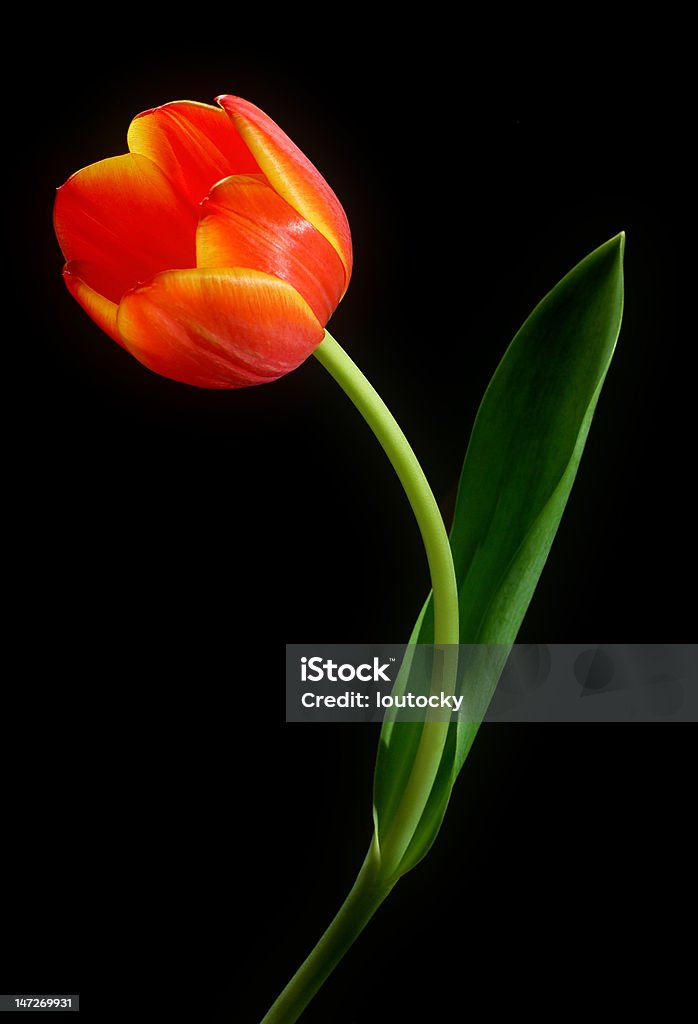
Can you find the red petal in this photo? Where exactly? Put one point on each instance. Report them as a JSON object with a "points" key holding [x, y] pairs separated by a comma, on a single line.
{"points": [[102, 310], [218, 328], [245, 223], [291, 174], [194, 144], [124, 221]]}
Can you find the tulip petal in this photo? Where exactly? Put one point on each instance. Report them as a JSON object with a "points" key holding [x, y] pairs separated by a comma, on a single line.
{"points": [[218, 328], [193, 143], [122, 219], [292, 175], [103, 311], [245, 223]]}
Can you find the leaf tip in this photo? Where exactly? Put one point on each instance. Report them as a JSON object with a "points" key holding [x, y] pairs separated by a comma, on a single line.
{"points": [[619, 240]]}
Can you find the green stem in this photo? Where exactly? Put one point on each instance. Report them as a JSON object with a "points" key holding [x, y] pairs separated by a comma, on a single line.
{"points": [[380, 870], [411, 475], [366, 896], [394, 844]]}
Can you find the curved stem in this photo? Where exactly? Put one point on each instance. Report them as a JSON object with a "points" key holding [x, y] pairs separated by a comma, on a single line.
{"points": [[357, 910], [395, 843], [411, 475], [380, 870]]}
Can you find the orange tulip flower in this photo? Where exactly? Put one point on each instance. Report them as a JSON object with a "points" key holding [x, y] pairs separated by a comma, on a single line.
{"points": [[213, 251]]}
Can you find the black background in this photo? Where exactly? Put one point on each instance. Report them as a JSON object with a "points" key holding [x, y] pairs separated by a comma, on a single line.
{"points": [[166, 833]]}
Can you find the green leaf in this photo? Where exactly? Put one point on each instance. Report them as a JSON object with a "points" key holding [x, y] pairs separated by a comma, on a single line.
{"points": [[519, 468]]}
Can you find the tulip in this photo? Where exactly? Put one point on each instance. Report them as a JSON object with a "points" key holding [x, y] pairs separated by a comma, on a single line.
{"points": [[213, 251]]}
